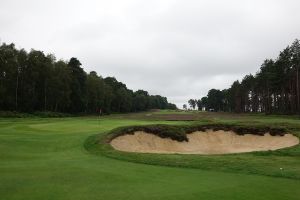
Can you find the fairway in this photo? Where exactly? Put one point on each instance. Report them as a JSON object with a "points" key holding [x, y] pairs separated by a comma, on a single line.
{"points": [[149, 100], [45, 158]]}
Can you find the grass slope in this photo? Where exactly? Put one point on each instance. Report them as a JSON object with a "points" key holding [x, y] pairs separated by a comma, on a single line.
{"points": [[46, 159], [280, 163]]}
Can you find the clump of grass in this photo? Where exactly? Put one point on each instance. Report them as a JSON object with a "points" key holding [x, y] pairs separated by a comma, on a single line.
{"points": [[179, 132], [239, 129], [51, 114], [43, 114], [14, 114], [163, 131]]}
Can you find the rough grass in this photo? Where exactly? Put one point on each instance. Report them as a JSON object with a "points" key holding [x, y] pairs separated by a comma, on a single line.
{"points": [[45, 159], [179, 132], [40, 114], [161, 130]]}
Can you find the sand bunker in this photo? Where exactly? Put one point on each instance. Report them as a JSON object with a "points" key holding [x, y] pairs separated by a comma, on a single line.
{"points": [[208, 142]]}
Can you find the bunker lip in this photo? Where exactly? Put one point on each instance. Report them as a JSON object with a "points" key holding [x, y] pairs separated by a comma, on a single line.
{"points": [[203, 142]]}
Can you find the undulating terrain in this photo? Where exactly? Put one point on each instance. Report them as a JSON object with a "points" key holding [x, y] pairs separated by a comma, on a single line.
{"points": [[48, 158]]}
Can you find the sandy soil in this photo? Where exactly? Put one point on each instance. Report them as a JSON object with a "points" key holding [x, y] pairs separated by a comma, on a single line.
{"points": [[209, 142]]}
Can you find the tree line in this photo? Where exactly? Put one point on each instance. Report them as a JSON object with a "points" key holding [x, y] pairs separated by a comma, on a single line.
{"points": [[32, 81], [273, 89]]}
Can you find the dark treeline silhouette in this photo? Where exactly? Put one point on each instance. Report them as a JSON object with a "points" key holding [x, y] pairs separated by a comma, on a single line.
{"points": [[32, 81], [274, 88]]}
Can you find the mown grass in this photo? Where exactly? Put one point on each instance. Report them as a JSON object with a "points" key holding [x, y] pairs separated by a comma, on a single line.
{"points": [[280, 163], [46, 159]]}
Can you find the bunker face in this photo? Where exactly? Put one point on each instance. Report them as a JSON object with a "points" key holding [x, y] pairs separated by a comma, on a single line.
{"points": [[208, 142]]}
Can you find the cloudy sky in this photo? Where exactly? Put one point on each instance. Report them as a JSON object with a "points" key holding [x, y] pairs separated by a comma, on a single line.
{"points": [[176, 48]]}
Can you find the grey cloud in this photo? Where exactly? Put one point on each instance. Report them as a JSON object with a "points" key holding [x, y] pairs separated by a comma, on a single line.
{"points": [[179, 49]]}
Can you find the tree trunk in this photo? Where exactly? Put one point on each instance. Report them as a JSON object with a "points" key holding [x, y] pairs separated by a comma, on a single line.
{"points": [[297, 88], [17, 88], [45, 97]]}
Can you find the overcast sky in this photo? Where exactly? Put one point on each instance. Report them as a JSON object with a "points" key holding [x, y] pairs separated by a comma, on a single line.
{"points": [[176, 48]]}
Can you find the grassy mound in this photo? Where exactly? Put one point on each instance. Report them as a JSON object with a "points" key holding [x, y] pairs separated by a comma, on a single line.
{"points": [[264, 163]]}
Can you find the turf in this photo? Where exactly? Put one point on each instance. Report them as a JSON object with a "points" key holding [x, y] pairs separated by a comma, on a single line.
{"points": [[46, 159]]}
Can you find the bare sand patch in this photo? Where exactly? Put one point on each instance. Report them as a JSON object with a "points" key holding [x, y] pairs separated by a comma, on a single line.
{"points": [[208, 142]]}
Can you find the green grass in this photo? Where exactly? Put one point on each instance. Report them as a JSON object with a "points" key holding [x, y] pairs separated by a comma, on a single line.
{"points": [[264, 163], [46, 159]]}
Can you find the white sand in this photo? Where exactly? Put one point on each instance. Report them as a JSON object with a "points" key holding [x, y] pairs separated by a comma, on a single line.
{"points": [[208, 142]]}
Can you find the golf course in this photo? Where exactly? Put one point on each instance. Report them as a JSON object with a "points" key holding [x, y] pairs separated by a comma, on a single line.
{"points": [[58, 158], [149, 100]]}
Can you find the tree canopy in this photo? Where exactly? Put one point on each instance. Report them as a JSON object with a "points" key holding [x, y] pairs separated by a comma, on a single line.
{"points": [[32, 81], [273, 89]]}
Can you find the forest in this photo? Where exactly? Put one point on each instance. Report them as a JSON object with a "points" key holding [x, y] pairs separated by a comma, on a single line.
{"points": [[32, 81], [274, 89]]}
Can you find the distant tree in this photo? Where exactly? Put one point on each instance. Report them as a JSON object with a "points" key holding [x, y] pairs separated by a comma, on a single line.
{"points": [[199, 104], [34, 81], [275, 88], [184, 107], [120, 95], [172, 106], [78, 86], [9, 77], [295, 60], [204, 102], [215, 99], [95, 92], [125, 100], [192, 103], [60, 87], [226, 100], [236, 97], [140, 100]]}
